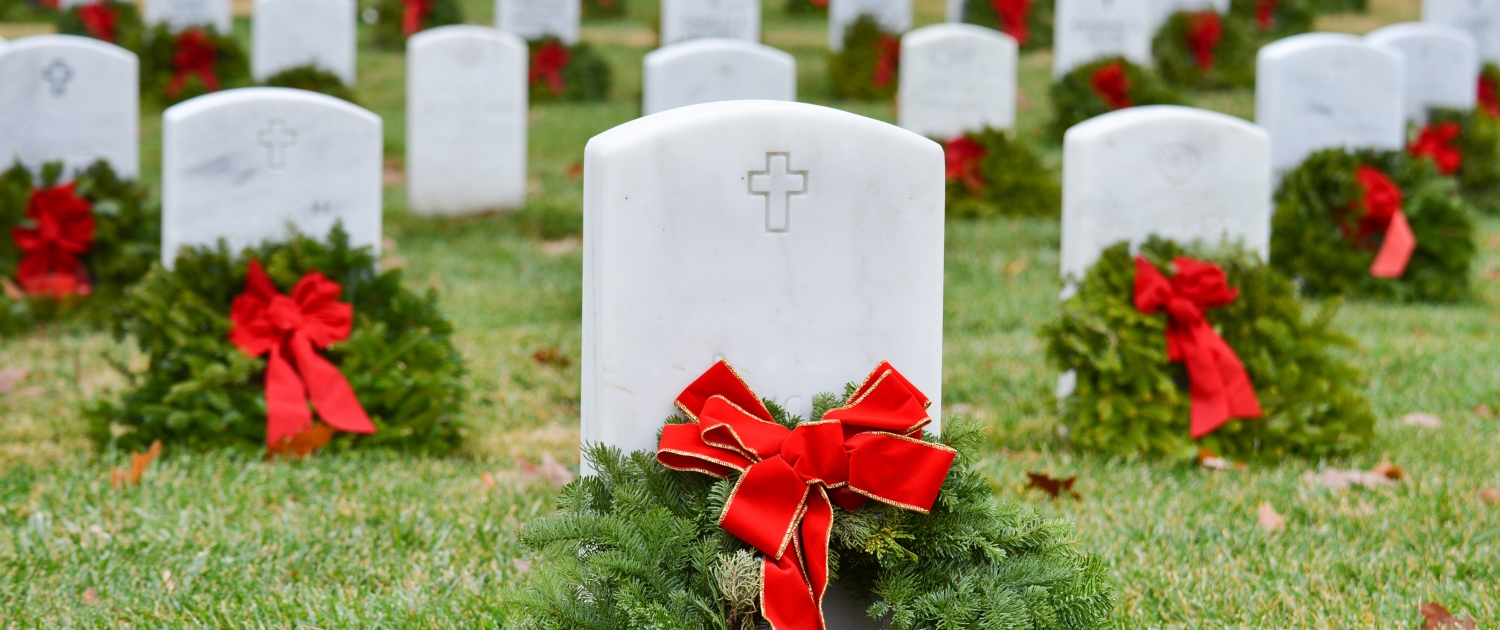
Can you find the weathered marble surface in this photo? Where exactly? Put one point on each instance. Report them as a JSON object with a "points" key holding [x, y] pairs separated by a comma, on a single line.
{"points": [[1481, 18], [69, 98], [1442, 65], [711, 70], [290, 33], [535, 19], [1087, 30], [682, 20], [956, 78], [181, 14]]}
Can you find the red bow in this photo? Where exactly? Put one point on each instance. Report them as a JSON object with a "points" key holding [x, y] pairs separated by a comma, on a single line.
{"points": [[64, 230], [1265, 14], [1111, 85], [964, 156], [1217, 382], [415, 12], [888, 60], [1381, 200], [99, 19], [548, 64], [1436, 142], [291, 329], [1013, 14], [1203, 35], [783, 502], [196, 54]]}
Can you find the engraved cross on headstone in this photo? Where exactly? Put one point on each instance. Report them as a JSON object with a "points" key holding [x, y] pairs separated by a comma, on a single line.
{"points": [[58, 74], [778, 183], [276, 138]]}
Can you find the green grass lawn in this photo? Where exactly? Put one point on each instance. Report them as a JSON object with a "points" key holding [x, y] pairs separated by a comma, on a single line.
{"points": [[380, 540]]}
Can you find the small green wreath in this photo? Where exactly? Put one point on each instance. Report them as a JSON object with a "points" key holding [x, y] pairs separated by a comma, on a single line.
{"points": [[390, 26], [200, 390], [1129, 399], [1478, 142], [992, 174], [125, 241], [1203, 50], [118, 23], [1316, 211], [807, 7], [1036, 33], [559, 72], [1101, 87], [869, 65], [1271, 20], [164, 78], [313, 79], [604, 9]]}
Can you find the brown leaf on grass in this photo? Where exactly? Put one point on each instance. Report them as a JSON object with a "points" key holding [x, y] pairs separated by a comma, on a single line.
{"points": [[487, 480], [1491, 496], [1424, 420], [302, 444], [10, 376], [575, 170], [1484, 411], [1438, 618], [13, 292], [551, 355], [1270, 520], [394, 172], [1053, 487], [1340, 479], [561, 246], [522, 565], [1209, 460], [551, 470], [118, 478], [1015, 267], [1389, 471], [91, 597]]}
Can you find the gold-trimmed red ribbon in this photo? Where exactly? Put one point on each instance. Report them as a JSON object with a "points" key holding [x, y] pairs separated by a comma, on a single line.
{"points": [[783, 502]]}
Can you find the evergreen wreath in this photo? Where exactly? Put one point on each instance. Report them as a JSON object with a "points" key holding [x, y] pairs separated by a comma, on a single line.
{"points": [[312, 79], [1101, 87], [638, 545], [559, 72], [124, 241], [807, 7], [1129, 399], [992, 174], [118, 23], [1271, 20], [200, 390], [1318, 238], [605, 9], [1474, 139], [397, 20], [869, 65], [1028, 21], [1489, 90], [1202, 49], [178, 66]]}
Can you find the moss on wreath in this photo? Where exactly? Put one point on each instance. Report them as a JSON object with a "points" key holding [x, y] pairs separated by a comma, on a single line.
{"points": [[1076, 99], [388, 30], [312, 79], [1007, 178], [159, 66], [638, 545], [869, 65], [1232, 63], [127, 30], [1129, 399], [559, 72], [1315, 208], [1039, 20], [1479, 142], [1270, 20], [200, 391]]}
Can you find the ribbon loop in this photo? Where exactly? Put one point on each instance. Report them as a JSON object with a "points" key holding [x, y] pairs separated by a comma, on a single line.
{"points": [[196, 54], [1381, 200], [64, 230]]}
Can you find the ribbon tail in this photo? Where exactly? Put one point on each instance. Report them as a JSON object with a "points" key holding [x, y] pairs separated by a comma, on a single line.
{"points": [[1395, 251], [286, 400], [330, 392], [1210, 405], [787, 599]]}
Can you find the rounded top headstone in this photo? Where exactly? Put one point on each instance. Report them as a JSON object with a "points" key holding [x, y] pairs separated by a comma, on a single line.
{"points": [[455, 32], [195, 106]]}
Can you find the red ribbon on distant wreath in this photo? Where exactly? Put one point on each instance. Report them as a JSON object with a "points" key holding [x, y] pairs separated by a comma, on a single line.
{"points": [[887, 61], [1489, 96], [1217, 382], [49, 252], [548, 64], [195, 55], [783, 503], [1265, 14], [291, 329], [1380, 201], [49, 4], [964, 156], [819, 3], [1112, 85], [1436, 142], [99, 19], [415, 11], [1203, 35], [1013, 16]]}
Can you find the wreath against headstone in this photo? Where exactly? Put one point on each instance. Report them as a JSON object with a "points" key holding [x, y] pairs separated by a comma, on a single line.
{"points": [[1180, 352], [807, 7], [396, 20], [991, 173], [313, 79], [1101, 87], [238, 345], [1373, 224], [71, 247], [605, 9], [746, 516], [118, 23], [869, 65], [177, 66], [1202, 49], [559, 72], [1028, 21], [1270, 20], [1466, 145]]}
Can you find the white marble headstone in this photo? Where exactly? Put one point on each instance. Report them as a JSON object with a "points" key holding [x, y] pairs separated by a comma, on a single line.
{"points": [[181, 14], [1088, 30], [1324, 90], [535, 19], [1176, 172], [290, 33], [682, 20], [244, 164], [711, 70], [957, 78], [465, 120], [1162, 10], [1481, 18], [1442, 65], [75, 99], [894, 16]]}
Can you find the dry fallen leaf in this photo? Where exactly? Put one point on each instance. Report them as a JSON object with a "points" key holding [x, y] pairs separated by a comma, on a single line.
{"points": [[1270, 520], [1491, 496], [1015, 267], [11, 290], [1053, 487], [551, 355], [487, 480], [561, 246], [1438, 618], [1339, 479], [302, 444], [1389, 471], [91, 597], [522, 565], [550, 469], [1211, 461], [1424, 420], [393, 173], [575, 170], [118, 478], [9, 377]]}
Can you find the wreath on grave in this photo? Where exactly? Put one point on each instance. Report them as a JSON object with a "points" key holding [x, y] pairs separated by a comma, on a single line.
{"points": [[236, 345], [992, 174], [73, 247], [1489, 90], [1466, 145], [1028, 21], [559, 72], [27, 10], [717, 530], [1341, 6], [807, 7], [1271, 20], [1101, 87], [313, 79], [1373, 224], [604, 9], [397, 20], [118, 23], [1179, 352], [178, 66], [868, 66], [1202, 49]]}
